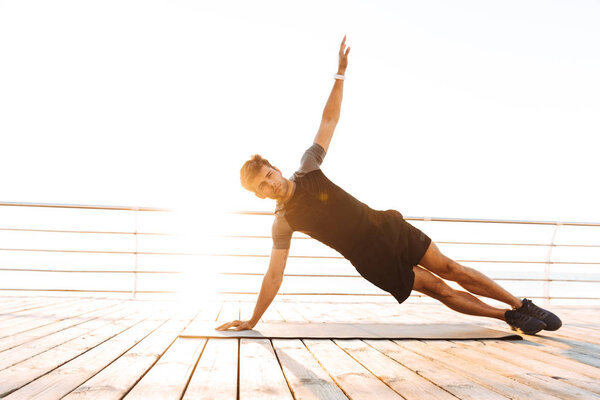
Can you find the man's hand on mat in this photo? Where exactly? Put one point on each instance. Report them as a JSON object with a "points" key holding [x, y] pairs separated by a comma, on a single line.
{"points": [[236, 325]]}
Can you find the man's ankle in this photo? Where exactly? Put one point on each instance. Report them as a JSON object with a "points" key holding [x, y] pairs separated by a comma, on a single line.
{"points": [[517, 304]]}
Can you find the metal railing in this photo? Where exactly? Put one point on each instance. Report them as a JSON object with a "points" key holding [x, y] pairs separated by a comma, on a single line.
{"points": [[135, 251], [135, 233]]}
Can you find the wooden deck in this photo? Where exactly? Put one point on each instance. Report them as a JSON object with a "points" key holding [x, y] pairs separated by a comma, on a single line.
{"points": [[85, 348]]}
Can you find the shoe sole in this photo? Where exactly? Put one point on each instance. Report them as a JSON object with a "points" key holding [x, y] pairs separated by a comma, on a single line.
{"points": [[525, 333]]}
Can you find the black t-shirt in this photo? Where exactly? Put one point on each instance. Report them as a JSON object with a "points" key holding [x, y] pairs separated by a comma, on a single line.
{"points": [[281, 230], [377, 243]]}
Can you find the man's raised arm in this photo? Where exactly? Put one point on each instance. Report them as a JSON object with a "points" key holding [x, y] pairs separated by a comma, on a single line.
{"points": [[270, 286], [331, 113]]}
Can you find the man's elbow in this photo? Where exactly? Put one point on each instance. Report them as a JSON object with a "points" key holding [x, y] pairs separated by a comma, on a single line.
{"points": [[330, 118], [274, 279]]}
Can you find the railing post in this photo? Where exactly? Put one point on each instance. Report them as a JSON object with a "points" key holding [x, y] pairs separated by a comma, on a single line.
{"points": [[135, 234], [547, 267]]}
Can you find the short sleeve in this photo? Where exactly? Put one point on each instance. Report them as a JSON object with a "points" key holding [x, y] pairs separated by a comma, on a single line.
{"points": [[311, 159], [281, 233]]}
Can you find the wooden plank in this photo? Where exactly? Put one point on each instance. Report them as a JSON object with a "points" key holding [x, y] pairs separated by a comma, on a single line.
{"points": [[169, 377], [288, 313], [117, 379], [540, 354], [351, 313], [70, 375], [26, 371], [525, 357], [583, 352], [457, 384], [306, 378], [40, 319], [477, 372], [209, 312], [312, 313], [355, 380], [29, 335], [270, 315], [19, 304], [404, 381], [575, 332], [246, 310], [479, 356], [23, 352], [44, 308], [261, 376], [584, 316], [216, 374], [230, 311], [399, 313], [11, 325]]}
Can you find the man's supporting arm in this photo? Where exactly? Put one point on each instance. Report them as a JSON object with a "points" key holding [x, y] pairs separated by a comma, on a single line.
{"points": [[331, 113], [271, 283], [270, 286]]}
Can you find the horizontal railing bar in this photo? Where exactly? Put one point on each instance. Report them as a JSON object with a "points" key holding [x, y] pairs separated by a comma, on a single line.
{"points": [[91, 271], [358, 276], [255, 237], [88, 290], [477, 220], [295, 237], [438, 242], [385, 294], [522, 244], [260, 274], [255, 293], [82, 206], [101, 252], [267, 256], [68, 231], [465, 261]]}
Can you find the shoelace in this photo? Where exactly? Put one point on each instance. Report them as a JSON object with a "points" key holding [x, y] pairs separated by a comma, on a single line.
{"points": [[519, 318], [535, 310]]}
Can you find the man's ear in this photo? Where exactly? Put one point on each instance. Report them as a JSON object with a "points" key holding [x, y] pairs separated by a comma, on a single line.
{"points": [[260, 196], [277, 169]]}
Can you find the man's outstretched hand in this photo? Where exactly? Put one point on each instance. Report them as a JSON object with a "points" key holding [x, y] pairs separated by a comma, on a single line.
{"points": [[236, 325], [343, 57]]}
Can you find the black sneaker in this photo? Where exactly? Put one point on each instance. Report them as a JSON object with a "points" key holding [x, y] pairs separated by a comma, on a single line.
{"points": [[523, 323], [551, 320]]}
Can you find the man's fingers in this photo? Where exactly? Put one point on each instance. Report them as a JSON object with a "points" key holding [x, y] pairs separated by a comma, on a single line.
{"points": [[242, 327], [223, 327], [228, 325], [347, 51]]}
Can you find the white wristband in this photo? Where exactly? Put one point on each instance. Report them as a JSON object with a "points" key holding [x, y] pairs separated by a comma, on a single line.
{"points": [[338, 76]]}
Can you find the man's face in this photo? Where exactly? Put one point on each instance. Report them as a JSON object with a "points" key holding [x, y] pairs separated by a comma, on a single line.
{"points": [[269, 183]]}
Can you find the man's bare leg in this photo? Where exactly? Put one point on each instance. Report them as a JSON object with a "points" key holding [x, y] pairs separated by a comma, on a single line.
{"points": [[463, 302], [469, 278]]}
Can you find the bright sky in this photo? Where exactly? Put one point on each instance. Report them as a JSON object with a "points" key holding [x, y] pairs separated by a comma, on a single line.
{"points": [[451, 109]]}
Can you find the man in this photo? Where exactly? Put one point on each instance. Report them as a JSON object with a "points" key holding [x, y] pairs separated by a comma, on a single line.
{"points": [[385, 249]]}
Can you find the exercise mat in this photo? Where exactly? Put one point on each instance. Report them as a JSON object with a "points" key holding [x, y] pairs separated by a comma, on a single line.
{"points": [[290, 330]]}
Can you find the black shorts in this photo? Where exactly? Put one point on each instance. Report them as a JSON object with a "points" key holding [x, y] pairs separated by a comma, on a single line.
{"points": [[418, 243], [388, 257]]}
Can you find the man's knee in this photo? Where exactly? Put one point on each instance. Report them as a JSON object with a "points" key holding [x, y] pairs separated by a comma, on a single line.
{"points": [[441, 265], [438, 289], [454, 271]]}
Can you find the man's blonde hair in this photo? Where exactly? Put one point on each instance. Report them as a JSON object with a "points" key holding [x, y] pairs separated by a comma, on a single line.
{"points": [[251, 168]]}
